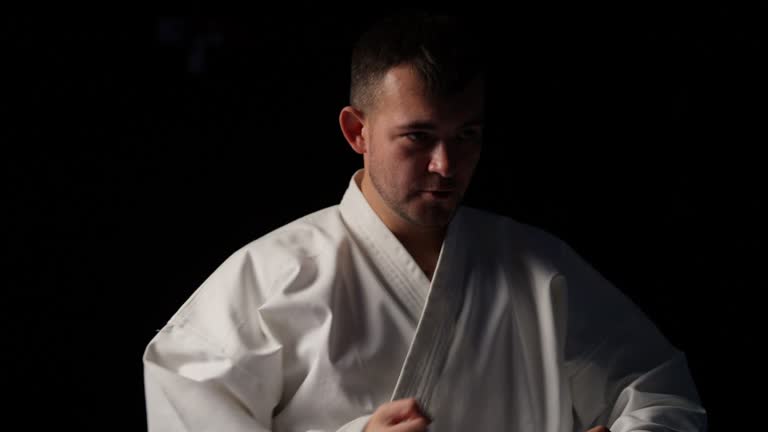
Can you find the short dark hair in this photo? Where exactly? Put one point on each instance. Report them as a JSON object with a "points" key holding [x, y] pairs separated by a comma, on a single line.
{"points": [[447, 52]]}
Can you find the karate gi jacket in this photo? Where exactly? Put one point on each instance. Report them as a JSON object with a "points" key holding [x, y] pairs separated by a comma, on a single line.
{"points": [[314, 325]]}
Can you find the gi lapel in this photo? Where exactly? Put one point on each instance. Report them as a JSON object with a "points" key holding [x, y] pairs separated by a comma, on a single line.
{"points": [[434, 334], [434, 306], [400, 271]]}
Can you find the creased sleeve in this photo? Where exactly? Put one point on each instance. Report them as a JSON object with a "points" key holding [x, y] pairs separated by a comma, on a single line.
{"points": [[215, 365], [218, 364], [192, 385]]}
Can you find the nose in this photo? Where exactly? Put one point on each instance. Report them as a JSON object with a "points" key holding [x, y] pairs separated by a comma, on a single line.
{"points": [[441, 161]]}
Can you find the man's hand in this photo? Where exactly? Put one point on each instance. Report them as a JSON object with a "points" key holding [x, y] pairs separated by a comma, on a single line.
{"points": [[599, 429], [402, 415]]}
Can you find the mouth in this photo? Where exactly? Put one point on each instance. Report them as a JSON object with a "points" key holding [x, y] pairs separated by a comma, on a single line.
{"points": [[439, 194]]}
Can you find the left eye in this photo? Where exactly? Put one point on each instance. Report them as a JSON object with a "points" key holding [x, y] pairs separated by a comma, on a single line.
{"points": [[469, 134], [417, 136]]}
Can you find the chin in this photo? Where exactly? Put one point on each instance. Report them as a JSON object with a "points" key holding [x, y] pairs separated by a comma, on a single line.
{"points": [[434, 217]]}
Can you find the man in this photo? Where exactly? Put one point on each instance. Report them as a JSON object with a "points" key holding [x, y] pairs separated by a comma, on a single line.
{"points": [[400, 309]]}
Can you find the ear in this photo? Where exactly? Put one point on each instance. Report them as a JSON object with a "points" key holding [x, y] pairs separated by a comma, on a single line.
{"points": [[352, 122]]}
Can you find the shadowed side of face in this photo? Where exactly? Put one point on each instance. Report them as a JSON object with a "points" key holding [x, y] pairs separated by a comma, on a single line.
{"points": [[423, 148]]}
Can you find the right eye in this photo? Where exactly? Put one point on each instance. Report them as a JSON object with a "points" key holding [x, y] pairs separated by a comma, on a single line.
{"points": [[417, 137]]}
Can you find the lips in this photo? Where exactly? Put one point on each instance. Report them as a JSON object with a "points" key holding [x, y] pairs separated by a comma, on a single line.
{"points": [[439, 193]]}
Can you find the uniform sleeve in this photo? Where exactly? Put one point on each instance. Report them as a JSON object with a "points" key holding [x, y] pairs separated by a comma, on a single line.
{"points": [[216, 366], [192, 385], [624, 373]]}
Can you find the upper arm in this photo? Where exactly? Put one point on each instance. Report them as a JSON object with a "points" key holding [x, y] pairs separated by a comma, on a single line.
{"points": [[215, 365], [624, 373], [191, 384]]}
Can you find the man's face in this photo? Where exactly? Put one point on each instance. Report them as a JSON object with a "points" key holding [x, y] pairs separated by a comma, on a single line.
{"points": [[422, 150]]}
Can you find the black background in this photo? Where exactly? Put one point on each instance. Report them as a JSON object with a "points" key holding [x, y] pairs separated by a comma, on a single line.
{"points": [[139, 154]]}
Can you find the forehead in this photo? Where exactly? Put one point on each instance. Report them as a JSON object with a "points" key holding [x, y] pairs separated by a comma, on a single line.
{"points": [[403, 97]]}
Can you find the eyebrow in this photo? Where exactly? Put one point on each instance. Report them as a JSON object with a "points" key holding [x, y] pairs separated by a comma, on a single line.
{"points": [[427, 125]]}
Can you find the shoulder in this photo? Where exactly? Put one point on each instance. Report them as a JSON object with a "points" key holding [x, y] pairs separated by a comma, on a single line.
{"points": [[306, 237], [509, 238], [536, 254], [246, 279], [542, 260]]}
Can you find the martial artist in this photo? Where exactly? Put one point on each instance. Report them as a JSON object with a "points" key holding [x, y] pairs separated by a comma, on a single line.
{"points": [[399, 309]]}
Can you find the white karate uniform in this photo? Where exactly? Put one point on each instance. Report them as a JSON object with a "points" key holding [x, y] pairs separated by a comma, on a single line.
{"points": [[314, 325]]}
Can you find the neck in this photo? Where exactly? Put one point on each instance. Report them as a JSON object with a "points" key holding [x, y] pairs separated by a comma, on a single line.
{"points": [[423, 243], [424, 247]]}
